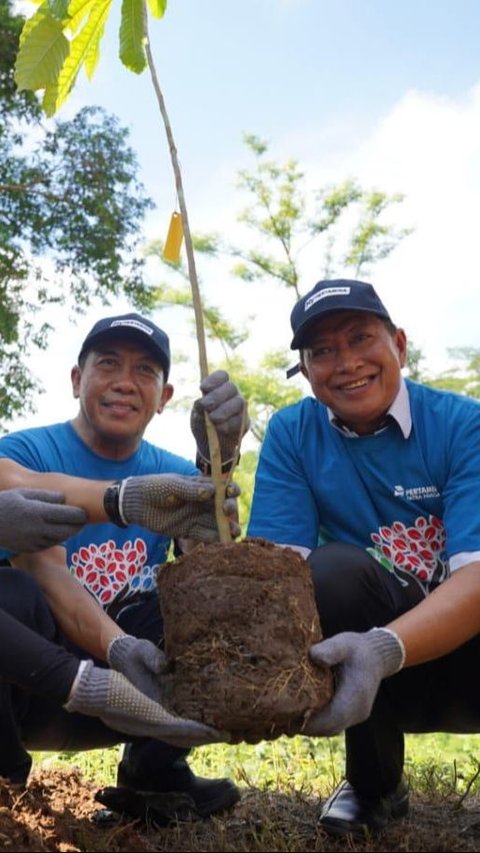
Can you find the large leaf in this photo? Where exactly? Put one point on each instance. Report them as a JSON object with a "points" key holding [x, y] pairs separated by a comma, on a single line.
{"points": [[32, 22], [132, 52], [42, 53], [93, 54], [78, 10], [157, 7], [80, 49], [58, 9]]}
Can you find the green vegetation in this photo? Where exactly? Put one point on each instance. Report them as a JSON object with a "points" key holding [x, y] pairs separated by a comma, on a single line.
{"points": [[435, 763], [71, 210]]}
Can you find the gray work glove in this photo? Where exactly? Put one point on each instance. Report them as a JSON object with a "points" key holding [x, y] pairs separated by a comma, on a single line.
{"points": [[225, 407], [172, 504], [35, 519], [108, 695], [138, 660], [362, 661]]}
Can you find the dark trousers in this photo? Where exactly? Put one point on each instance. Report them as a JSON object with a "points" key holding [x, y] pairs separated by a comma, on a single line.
{"points": [[355, 593], [30, 721]]}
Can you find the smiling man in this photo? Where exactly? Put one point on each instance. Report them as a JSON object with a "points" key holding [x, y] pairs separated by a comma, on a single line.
{"points": [[376, 481], [101, 586]]}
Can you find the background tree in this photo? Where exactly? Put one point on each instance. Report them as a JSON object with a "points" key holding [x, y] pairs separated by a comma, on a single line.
{"points": [[71, 210], [344, 227], [463, 377]]}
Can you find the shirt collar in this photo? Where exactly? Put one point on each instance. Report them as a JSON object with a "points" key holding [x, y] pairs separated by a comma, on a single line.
{"points": [[399, 410]]}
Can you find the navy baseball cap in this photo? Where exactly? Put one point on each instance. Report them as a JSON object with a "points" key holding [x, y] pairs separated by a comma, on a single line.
{"points": [[131, 327], [341, 294]]}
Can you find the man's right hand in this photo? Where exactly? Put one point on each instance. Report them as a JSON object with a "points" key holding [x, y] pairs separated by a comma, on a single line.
{"points": [[362, 661], [108, 695], [35, 519], [172, 504]]}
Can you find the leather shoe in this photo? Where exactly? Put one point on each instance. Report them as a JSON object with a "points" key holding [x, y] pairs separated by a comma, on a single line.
{"points": [[347, 812], [176, 795]]}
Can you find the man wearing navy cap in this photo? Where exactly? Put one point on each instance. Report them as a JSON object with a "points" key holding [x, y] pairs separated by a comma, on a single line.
{"points": [[376, 481], [101, 586]]}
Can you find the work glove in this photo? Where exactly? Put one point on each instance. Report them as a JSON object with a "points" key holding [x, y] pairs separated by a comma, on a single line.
{"points": [[225, 407], [172, 504], [138, 660], [361, 661], [34, 519], [108, 695]]}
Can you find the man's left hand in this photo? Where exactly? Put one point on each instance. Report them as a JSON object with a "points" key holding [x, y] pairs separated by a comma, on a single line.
{"points": [[173, 504], [138, 660], [227, 410], [362, 661]]}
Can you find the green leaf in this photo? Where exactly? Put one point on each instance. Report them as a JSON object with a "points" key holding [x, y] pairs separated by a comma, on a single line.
{"points": [[132, 52], [93, 54], [82, 49], [58, 9], [41, 54], [32, 22], [50, 98], [157, 7], [78, 10]]}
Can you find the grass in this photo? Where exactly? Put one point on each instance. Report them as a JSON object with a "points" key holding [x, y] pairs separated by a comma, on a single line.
{"points": [[283, 785], [441, 763]]}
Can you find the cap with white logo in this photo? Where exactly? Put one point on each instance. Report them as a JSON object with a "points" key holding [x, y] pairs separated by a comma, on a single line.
{"points": [[130, 327], [341, 294], [333, 295]]}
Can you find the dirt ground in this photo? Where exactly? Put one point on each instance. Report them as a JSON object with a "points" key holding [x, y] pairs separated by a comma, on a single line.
{"points": [[55, 814]]}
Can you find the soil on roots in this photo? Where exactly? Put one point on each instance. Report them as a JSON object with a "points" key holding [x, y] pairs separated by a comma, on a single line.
{"points": [[239, 620]]}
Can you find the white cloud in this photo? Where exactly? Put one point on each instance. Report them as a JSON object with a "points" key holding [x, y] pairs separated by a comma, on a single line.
{"points": [[429, 149]]}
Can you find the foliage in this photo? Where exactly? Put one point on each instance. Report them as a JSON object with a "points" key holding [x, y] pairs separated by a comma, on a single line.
{"points": [[70, 213], [288, 219], [64, 36]]}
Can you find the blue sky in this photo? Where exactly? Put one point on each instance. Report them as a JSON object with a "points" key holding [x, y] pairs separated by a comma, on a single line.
{"points": [[270, 66], [386, 92]]}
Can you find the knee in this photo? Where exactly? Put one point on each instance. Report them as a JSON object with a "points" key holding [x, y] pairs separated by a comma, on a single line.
{"points": [[341, 580], [21, 597], [18, 584]]}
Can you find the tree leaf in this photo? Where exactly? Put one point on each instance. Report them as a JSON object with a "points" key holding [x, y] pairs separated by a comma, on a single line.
{"points": [[58, 9], [77, 11], [42, 53], [81, 48], [157, 7], [132, 52], [93, 54]]}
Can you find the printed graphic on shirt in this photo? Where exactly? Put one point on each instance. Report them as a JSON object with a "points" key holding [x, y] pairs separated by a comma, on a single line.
{"points": [[112, 573], [416, 493], [418, 550]]}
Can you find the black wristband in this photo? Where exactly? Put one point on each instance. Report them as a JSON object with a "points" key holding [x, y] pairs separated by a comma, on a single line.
{"points": [[111, 503]]}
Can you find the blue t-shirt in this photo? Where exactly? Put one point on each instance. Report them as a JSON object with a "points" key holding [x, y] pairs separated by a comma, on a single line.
{"points": [[113, 563], [412, 503]]}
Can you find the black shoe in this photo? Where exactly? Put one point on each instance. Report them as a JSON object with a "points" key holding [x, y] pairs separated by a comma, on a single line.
{"points": [[178, 795], [348, 812]]}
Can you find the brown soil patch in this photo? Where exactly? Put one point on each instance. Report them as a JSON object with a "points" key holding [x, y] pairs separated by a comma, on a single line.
{"points": [[239, 620]]}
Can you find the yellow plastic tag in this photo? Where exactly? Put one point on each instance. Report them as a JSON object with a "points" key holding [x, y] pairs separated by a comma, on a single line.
{"points": [[173, 243]]}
